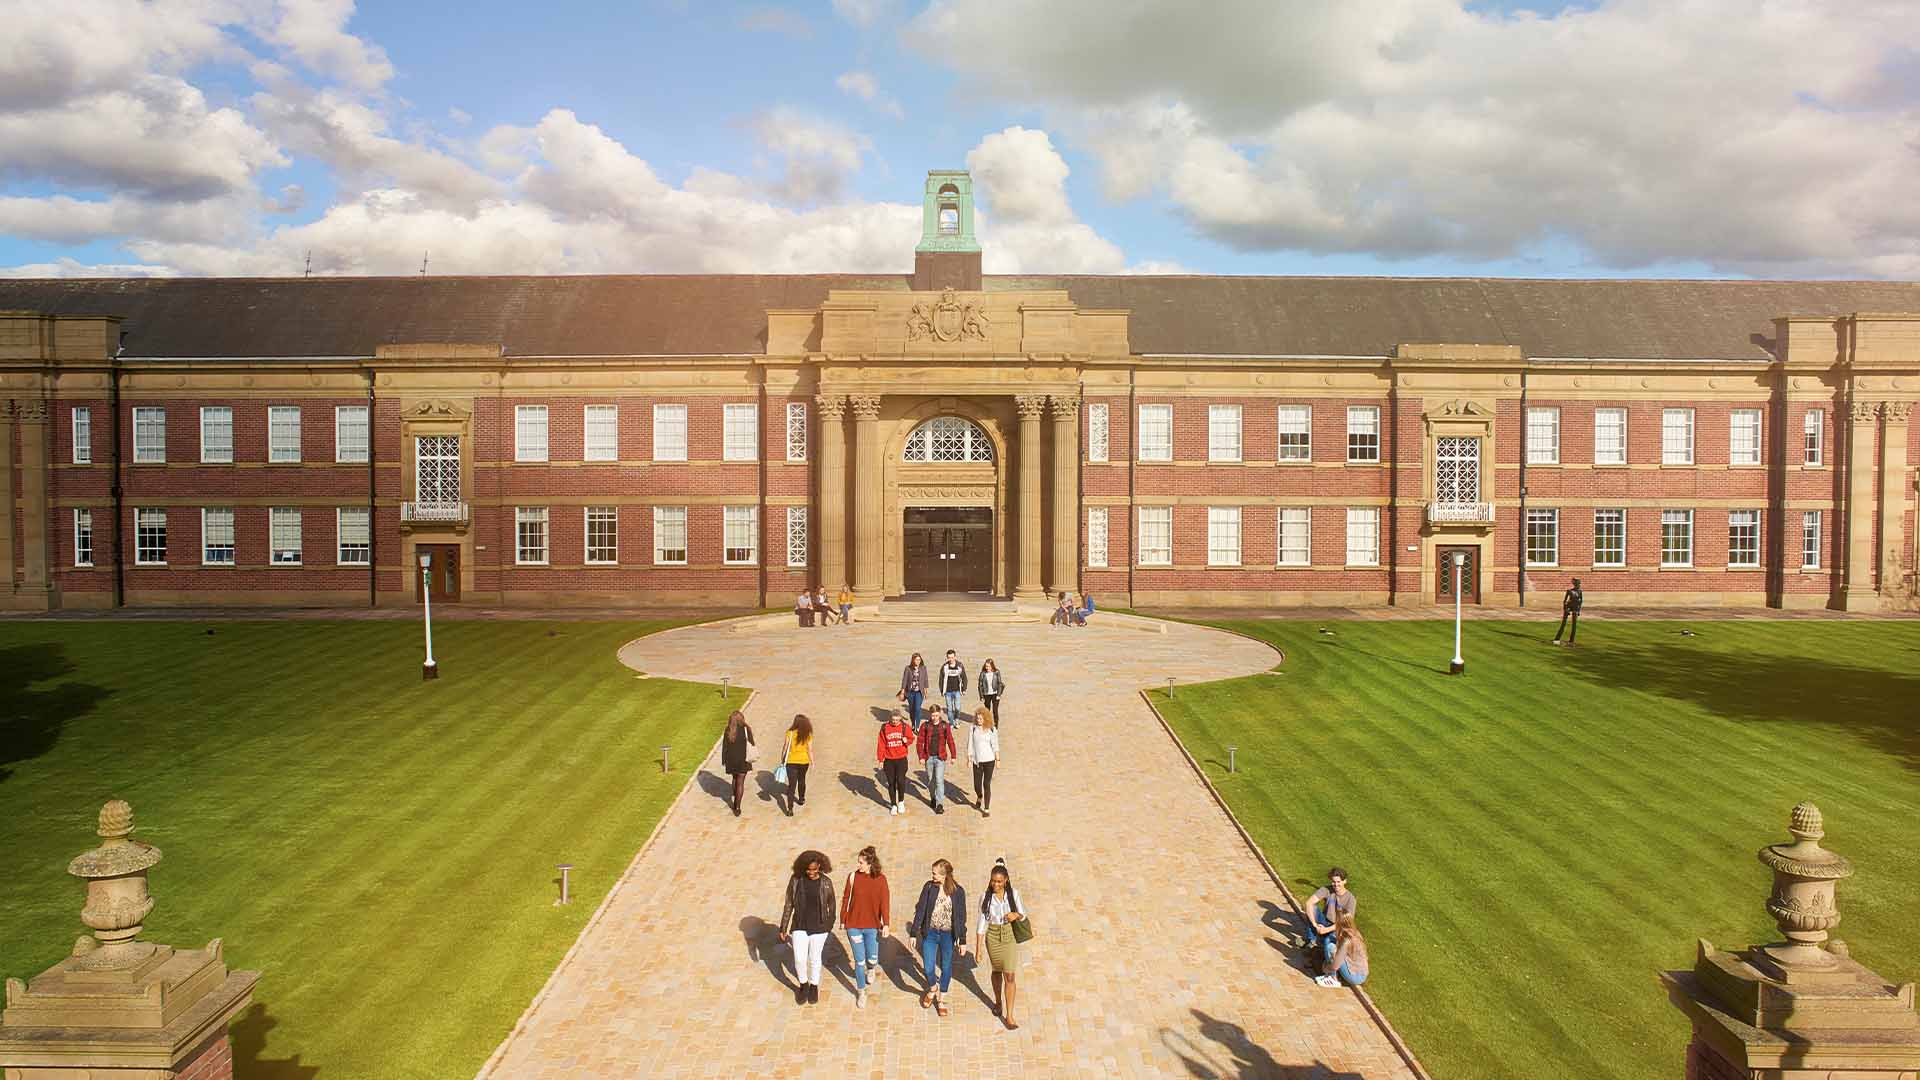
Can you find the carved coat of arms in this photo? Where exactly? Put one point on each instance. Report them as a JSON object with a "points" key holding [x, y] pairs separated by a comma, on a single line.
{"points": [[947, 319]]}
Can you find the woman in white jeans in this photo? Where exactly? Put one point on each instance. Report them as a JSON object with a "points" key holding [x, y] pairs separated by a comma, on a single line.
{"points": [[806, 920]]}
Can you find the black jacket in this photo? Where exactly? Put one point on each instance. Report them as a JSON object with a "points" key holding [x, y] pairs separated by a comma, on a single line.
{"points": [[733, 752], [940, 677], [1570, 604], [809, 907], [923, 913], [982, 685]]}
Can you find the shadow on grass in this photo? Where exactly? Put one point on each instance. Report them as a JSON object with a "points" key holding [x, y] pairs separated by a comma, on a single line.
{"points": [[1244, 1059], [1880, 707], [249, 1036], [31, 721]]}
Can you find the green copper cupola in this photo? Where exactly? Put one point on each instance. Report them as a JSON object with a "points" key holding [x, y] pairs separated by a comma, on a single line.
{"points": [[947, 212]]}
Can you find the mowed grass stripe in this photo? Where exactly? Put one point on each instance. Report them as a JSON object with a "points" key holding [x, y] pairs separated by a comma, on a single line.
{"points": [[1520, 835]]}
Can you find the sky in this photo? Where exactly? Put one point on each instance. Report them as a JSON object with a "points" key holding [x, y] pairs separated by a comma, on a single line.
{"points": [[1626, 138]]}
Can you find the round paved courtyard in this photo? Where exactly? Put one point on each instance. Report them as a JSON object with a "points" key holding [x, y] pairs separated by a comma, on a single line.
{"points": [[1157, 943]]}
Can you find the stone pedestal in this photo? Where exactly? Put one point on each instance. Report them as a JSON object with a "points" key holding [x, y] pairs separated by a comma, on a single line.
{"points": [[1801, 1009], [119, 1007]]}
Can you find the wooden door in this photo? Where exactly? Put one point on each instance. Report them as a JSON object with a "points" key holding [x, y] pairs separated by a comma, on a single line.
{"points": [[1469, 575], [443, 577]]}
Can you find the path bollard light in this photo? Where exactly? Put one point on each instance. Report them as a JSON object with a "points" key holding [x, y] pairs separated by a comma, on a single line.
{"points": [[428, 670], [1169, 686], [666, 763], [725, 684], [1458, 665], [566, 884], [1233, 763]]}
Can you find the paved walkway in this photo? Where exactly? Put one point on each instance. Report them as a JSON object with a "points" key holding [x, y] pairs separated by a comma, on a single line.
{"points": [[1156, 950]]}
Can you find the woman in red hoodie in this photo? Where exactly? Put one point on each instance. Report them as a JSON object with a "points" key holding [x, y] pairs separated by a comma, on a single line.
{"points": [[896, 739], [865, 910]]}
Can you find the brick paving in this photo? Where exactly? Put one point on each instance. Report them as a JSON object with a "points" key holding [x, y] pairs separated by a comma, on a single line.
{"points": [[1158, 934]]}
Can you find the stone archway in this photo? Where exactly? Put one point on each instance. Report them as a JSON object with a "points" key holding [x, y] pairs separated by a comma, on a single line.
{"points": [[945, 484]]}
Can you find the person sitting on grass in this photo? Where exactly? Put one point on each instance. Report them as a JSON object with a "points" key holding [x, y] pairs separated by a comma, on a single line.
{"points": [[1324, 907], [1348, 962]]}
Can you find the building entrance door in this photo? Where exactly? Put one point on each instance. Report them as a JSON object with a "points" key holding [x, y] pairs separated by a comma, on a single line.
{"points": [[444, 578], [949, 549], [1469, 575]]}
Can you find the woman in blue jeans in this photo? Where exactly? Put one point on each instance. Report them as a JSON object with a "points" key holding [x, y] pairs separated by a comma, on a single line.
{"points": [[939, 929], [914, 681], [865, 911]]}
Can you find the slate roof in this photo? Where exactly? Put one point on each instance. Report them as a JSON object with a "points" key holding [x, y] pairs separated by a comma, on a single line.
{"points": [[722, 314]]}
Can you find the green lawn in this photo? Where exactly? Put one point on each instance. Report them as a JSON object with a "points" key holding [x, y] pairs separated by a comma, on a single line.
{"points": [[1533, 840], [382, 849]]}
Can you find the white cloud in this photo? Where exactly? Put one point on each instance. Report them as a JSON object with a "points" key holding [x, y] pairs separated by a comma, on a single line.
{"points": [[314, 32], [865, 87], [353, 139], [73, 268], [1774, 138], [1028, 225], [819, 156]]}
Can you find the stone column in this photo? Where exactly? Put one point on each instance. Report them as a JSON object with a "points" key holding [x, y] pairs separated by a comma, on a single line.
{"points": [[1856, 593], [1027, 580], [1801, 1009], [7, 410], [35, 511], [866, 496], [1066, 494], [832, 409], [1893, 500]]}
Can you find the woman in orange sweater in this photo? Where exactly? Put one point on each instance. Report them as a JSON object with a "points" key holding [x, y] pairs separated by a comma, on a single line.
{"points": [[865, 910]]}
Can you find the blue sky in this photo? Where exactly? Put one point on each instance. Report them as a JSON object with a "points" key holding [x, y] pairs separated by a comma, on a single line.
{"points": [[1406, 137]]}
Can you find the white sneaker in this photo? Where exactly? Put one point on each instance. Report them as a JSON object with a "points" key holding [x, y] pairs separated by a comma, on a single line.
{"points": [[1328, 981]]}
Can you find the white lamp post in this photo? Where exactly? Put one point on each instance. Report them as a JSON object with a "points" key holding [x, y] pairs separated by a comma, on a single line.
{"points": [[1459, 564], [427, 670]]}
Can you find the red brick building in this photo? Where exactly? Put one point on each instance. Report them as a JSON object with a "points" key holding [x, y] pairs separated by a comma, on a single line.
{"points": [[1158, 441]]}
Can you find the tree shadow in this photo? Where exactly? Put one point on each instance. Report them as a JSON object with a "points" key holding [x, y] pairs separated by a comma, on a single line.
{"points": [[248, 1037], [1878, 706], [31, 721], [1244, 1059], [863, 787]]}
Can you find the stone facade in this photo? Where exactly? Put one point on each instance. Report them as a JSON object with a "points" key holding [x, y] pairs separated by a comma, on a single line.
{"points": [[1779, 470]]}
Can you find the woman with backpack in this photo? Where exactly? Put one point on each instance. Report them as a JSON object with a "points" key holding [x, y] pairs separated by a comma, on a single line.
{"points": [[1000, 909], [896, 739], [806, 920], [733, 755], [799, 757], [938, 931]]}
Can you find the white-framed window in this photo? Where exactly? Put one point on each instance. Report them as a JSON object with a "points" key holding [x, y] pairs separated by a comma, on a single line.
{"points": [[1294, 536], [796, 431], [948, 438], [351, 435], [1815, 425], [83, 537], [353, 536], [1223, 433], [1363, 433], [1156, 433], [740, 430], [529, 433], [740, 535], [670, 536], [1296, 433], [1676, 437], [1097, 535], [530, 535], [1810, 523], [283, 530], [436, 469], [1223, 536], [1743, 538], [796, 536], [669, 433], [1543, 436], [1363, 536], [1676, 538], [150, 537], [1543, 537], [1097, 432], [216, 536], [603, 535], [283, 433], [1610, 436], [216, 434], [1609, 538], [1743, 438], [1156, 536], [82, 435], [150, 436], [600, 433]]}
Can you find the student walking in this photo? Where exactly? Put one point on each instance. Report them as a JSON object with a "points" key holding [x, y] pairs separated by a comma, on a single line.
{"points": [[1324, 908], [806, 920], [896, 738], [914, 681], [846, 606], [983, 750], [803, 608], [733, 755], [992, 685], [865, 910], [1347, 959], [938, 930], [936, 750], [1570, 611], [1000, 909], [799, 757], [821, 606], [953, 682]]}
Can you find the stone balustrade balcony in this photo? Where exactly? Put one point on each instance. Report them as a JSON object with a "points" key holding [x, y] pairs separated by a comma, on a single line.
{"points": [[435, 513], [1459, 513]]}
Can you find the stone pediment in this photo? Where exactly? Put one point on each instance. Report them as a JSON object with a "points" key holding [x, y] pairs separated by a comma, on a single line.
{"points": [[948, 324]]}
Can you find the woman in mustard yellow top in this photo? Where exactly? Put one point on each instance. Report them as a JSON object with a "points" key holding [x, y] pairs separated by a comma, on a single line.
{"points": [[799, 756]]}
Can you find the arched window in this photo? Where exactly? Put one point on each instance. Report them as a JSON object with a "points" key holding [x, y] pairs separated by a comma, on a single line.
{"points": [[948, 438], [949, 219]]}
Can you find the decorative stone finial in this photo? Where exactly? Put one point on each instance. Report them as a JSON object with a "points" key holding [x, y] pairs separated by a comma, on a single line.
{"points": [[1802, 902], [117, 899]]}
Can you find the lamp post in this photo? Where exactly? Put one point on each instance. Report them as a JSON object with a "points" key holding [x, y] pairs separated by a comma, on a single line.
{"points": [[1459, 563], [428, 670]]}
